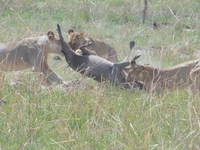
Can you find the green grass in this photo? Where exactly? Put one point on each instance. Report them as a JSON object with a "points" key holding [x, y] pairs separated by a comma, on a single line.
{"points": [[92, 115]]}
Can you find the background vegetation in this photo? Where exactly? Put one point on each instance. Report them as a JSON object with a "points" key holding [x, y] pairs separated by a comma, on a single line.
{"points": [[92, 115]]}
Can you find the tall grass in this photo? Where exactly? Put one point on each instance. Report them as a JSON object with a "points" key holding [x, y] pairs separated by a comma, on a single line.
{"points": [[92, 115]]}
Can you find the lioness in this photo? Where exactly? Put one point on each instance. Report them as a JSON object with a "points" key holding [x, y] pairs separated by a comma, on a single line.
{"points": [[195, 78], [152, 77], [31, 53], [102, 49]]}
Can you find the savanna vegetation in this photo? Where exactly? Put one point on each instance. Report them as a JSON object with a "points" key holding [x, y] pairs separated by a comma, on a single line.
{"points": [[90, 115]]}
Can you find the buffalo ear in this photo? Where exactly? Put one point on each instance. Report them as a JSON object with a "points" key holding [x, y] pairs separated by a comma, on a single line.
{"points": [[70, 31], [133, 62], [136, 57], [50, 35]]}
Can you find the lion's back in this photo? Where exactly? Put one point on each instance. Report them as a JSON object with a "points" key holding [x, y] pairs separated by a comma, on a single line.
{"points": [[104, 50]]}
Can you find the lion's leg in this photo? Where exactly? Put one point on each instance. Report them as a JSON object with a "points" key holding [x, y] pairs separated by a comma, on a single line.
{"points": [[195, 80], [40, 75], [47, 76], [39, 67], [43, 71], [52, 76]]}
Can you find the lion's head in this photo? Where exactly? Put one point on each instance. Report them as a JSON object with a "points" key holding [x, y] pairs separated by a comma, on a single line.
{"points": [[75, 39], [54, 44], [137, 72]]}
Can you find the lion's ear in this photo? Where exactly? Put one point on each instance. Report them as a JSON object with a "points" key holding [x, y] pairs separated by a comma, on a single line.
{"points": [[82, 34], [70, 31], [50, 35], [143, 74]]}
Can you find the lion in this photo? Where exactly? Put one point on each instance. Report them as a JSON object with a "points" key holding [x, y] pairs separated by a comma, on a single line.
{"points": [[32, 53], [156, 78], [194, 77], [102, 49]]}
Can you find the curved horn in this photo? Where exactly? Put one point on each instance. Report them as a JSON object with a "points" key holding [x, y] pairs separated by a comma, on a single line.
{"points": [[85, 45], [59, 32], [132, 44]]}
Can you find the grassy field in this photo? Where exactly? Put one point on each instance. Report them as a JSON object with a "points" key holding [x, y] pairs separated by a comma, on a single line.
{"points": [[92, 115]]}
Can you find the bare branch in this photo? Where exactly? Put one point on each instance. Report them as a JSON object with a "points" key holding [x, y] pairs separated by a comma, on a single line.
{"points": [[144, 12]]}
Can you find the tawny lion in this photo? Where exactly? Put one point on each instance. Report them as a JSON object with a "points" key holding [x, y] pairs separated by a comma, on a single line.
{"points": [[31, 53], [102, 49], [152, 77], [195, 78]]}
